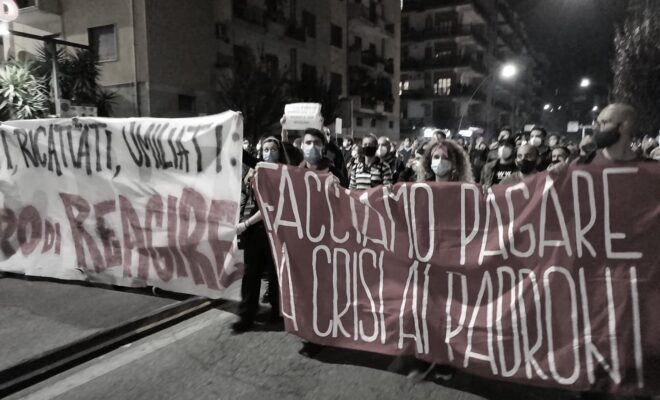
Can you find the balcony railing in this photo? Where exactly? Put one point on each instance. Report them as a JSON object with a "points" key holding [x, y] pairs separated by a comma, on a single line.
{"points": [[475, 64], [249, 13], [476, 31], [454, 91], [372, 15]]}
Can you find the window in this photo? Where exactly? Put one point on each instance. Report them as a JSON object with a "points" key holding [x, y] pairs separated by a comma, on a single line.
{"points": [[293, 60], [442, 87], [272, 65], [336, 36], [103, 42], [308, 73], [391, 124], [357, 42], [336, 81], [187, 103], [358, 121], [221, 32], [309, 23], [404, 52], [373, 122], [428, 51], [427, 110], [405, 23], [445, 26]]}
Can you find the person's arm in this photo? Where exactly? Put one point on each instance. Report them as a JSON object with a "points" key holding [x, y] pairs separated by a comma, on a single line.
{"points": [[255, 218], [386, 174], [285, 133]]}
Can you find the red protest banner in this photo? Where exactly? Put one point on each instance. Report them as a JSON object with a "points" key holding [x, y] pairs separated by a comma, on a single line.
{"points": [[550, 282]]}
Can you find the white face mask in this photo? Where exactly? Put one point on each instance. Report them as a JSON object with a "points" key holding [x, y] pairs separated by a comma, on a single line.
{"points": [[440, 166], [504, 152], [382, 151], [536, 141]]}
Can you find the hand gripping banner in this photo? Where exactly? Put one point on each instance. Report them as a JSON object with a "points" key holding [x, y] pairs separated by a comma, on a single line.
{"points": [[552, 282], [129, 202]]}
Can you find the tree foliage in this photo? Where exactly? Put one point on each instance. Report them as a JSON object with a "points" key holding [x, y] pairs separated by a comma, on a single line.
{"points": [[637, 66], [78, 75], [250, 85], [23, 94]]}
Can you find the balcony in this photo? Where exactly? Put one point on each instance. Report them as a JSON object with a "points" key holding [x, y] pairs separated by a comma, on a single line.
{"points": [[373, 16], [421, 5], [476, 64], [389, 66], [249, 13], [295, 32], [44, 15], [456, 91], [476, 32]]}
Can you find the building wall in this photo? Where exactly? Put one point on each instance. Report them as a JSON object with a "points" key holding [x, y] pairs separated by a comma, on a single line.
{"points": [[181, 56]]}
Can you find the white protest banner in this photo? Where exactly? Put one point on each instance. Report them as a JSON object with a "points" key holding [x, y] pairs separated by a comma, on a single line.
{"points": [[300, 116], [129, 202]]}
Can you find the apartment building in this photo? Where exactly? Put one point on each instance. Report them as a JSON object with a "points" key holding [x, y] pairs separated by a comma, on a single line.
{"points": [[451, 55], [164, 57]]}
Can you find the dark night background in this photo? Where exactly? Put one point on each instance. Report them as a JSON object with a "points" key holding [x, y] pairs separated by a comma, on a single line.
{"points": [[576, 36]]}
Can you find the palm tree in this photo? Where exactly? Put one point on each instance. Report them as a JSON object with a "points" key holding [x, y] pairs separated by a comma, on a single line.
{"points": [[23, 94]]}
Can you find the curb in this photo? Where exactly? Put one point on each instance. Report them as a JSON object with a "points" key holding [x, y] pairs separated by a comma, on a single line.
{"points": [[52, 362]]}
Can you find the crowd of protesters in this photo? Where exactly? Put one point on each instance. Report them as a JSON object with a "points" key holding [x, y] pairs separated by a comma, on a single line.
{"points": [[371, 161]]}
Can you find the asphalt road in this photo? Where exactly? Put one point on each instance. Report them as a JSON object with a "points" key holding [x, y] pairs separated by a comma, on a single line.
{"points": [[201, 359]]}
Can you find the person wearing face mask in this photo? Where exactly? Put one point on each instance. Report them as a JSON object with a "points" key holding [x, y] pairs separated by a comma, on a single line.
{"points": [[409, 174], [370, 171], [258, 257], [537, 139], [527, 159], [478, 158], [314, 150], [495, 171], [505, 133], [444, 161], [347, 149], [613, 134], [560, 155], [356, 155], [386, 154]]}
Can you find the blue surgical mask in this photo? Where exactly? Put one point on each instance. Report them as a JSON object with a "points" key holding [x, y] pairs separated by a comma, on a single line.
{"points": [[311, 153], [271, 156]]}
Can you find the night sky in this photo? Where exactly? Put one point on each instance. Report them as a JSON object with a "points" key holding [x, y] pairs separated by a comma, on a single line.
{"points": [[576, 35]]}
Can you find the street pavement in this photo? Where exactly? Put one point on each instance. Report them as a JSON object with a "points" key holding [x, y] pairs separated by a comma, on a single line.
{"points": [[201, 359], [38, 316]]}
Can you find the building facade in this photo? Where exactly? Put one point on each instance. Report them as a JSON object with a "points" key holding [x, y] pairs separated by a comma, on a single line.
{"points": [[451, 54], [163, 58]]}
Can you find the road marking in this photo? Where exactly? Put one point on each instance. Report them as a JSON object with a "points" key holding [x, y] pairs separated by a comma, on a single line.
{"points": [[103, 367]]}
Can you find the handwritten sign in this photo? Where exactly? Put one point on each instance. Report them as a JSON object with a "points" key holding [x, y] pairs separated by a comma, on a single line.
{"points": [[300, 116], [128, 202], [552, 282]]}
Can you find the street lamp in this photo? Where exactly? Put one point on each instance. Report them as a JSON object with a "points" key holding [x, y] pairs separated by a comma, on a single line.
{"points": [[594, 109], [547, 107], [507, 71], [585, 83]]}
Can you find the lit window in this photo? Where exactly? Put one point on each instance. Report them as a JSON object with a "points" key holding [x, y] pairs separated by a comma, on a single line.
{"points": [[442, 87]]}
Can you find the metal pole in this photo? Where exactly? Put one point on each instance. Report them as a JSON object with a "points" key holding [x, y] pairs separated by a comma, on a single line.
{"points": [[52, 48], [460, 122]]}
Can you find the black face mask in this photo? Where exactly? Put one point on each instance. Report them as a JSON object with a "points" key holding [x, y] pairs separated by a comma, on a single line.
{"points": [[604, 139], [369, 151], [525, 166]]}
